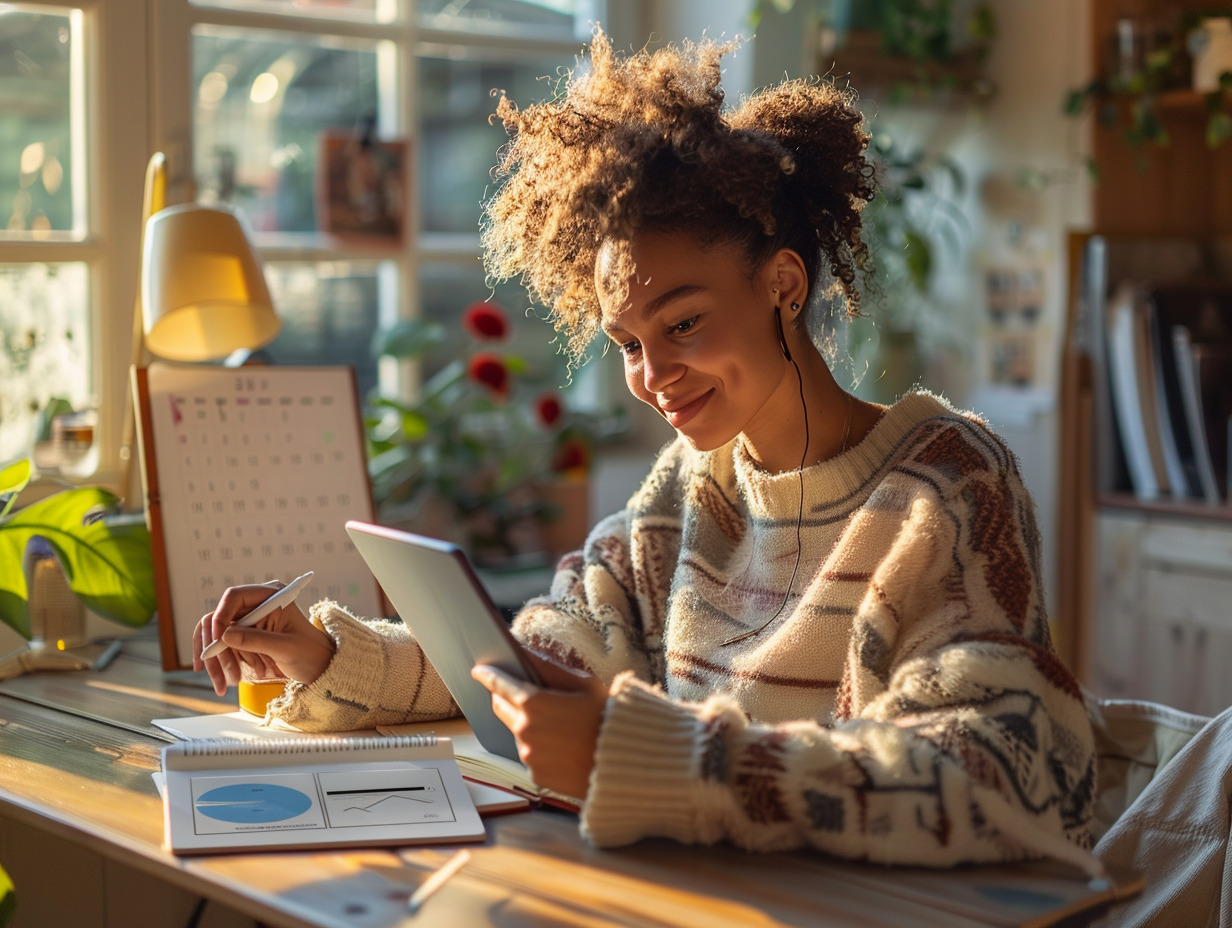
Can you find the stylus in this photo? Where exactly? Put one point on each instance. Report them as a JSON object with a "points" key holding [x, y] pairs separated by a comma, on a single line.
{"points": [[283, 597]]}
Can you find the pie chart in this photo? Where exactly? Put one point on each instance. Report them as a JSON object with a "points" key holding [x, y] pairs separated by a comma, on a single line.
{"points": [[253, 803]]}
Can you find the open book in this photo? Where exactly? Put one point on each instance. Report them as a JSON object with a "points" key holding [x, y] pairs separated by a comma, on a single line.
{"points": [[479, 764], [496, 784], [226, 795]]}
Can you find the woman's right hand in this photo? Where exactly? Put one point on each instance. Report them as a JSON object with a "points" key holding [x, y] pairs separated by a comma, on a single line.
{"points": [[284, 643]]}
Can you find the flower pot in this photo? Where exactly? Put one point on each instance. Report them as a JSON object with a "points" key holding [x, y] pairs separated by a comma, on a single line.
{"points": [[566, 515]]}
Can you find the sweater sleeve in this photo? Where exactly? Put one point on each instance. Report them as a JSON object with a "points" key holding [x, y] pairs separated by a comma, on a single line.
{"points": [[594, 617], [959, 737], [378, 676]]}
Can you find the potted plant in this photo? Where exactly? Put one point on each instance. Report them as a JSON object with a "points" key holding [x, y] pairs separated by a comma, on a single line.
{"points": [[1129, 95], [911, 48], [469, 456], [105, 557]]}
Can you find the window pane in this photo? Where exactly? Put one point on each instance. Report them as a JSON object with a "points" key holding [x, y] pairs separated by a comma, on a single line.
{"points": [[446, 290], [38, 55], [329, 311], [44, 347], [457, 147], [263, 101], [354, 10], [550, 17]]}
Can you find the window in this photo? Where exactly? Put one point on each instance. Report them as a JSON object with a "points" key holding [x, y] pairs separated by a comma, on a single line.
{"points": [[294, 112], [44, 281], [241, 96]]}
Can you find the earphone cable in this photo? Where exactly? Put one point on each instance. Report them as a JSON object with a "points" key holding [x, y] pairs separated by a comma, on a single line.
{"points": [[799, 522]]}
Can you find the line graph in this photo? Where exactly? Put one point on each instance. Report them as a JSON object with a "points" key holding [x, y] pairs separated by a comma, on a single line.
{"points": [[397, 796]]}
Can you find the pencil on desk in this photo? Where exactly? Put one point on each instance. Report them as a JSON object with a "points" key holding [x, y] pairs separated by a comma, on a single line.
{"points": [[437, 880], [103, 661]]}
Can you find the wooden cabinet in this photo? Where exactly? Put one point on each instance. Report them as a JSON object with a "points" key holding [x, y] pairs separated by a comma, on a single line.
{"points": [[1144, 599], [1162, 610]]}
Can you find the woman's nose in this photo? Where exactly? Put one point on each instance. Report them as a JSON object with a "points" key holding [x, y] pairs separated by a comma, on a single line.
{"points": [[660, 369]]}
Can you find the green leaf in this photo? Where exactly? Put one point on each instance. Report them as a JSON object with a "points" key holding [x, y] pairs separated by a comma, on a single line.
{"points": [[415, 427], [919, 258], [106, 561], [1075, 103], [56, 406], [1160, 59], [8, 899], [1218, 129], [13, 480], [409, 338]]}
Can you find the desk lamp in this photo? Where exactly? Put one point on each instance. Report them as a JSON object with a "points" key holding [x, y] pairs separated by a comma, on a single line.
{"points": [[202, 294]]}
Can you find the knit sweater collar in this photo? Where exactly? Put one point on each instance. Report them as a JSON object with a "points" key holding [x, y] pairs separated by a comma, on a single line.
{"points": [[840, 482]]}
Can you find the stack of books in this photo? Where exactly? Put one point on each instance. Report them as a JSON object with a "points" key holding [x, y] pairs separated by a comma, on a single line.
{"points": [[1168, 349]]}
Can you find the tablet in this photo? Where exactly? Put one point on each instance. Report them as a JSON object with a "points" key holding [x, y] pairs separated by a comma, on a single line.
{"points": [[438, 596]]}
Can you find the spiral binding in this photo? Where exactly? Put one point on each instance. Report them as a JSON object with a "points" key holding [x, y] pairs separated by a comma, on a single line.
{"points": [[216, 747]]}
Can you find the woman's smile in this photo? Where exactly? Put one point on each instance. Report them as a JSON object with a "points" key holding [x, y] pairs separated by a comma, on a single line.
{"points": [[678, 415]]}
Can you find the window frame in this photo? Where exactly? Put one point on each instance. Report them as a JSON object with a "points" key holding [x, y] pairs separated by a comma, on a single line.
{"points": [[114, 56], [172, 22], [138, 100]]}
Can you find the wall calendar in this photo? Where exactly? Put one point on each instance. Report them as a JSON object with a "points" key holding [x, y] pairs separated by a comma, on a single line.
{"points": [[250, 474]]}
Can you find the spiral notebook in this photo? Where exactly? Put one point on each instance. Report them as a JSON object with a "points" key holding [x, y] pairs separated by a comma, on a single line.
{"points": [[224, 795]]}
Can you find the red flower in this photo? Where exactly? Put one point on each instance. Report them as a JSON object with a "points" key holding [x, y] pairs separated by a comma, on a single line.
{"points": [[485, 321], [489, 370], [548, 409], [572, 454]]}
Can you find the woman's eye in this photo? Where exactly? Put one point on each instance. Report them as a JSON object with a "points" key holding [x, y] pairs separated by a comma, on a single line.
{"points": [[629, 348], [684, 326]]}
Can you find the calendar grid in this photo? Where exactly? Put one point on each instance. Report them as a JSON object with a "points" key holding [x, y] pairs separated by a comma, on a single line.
{"points": [[250, 475]]}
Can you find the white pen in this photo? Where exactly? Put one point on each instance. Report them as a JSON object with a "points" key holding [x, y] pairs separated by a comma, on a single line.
{"points": [[283, 597], [436, 880]]}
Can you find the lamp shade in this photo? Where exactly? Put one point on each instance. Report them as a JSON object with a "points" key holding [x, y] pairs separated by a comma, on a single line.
{"points": [[202, 291]]}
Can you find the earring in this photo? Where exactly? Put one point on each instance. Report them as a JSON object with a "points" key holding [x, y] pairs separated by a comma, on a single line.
{"points": [[795, 307]]}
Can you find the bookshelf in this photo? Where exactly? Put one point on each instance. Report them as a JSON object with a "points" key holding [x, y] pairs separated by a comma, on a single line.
{"points": [[1143, 584]]}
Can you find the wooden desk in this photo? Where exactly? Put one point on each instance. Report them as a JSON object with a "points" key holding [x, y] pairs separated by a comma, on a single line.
{"points": [[80, 818]]}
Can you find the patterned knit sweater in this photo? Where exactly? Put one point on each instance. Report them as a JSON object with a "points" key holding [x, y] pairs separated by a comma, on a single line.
{"points": [[904, 706]]}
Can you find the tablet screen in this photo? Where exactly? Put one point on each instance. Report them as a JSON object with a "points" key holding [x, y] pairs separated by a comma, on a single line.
{"points": [[439, 597]]}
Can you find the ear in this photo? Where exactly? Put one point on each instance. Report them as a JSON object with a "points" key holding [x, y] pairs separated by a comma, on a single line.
{"points": [[785, 279]]}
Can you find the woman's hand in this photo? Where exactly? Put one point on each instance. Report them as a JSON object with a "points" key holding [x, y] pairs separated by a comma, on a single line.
{"points": [[284, 643], [556, 724]]}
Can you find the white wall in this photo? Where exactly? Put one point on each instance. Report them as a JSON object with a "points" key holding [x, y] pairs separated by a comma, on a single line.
{"points": [[1043, 49]]}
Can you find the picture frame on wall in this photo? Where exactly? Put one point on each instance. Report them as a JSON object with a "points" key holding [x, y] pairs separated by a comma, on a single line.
{"points": [[361, 186]]}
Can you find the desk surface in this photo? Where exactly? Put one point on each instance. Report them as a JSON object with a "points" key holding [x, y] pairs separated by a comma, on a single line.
{"points": [[77, 750]]}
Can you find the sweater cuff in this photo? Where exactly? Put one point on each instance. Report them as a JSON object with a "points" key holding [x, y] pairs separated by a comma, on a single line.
{"points": [[645, 778], [371, 659]]}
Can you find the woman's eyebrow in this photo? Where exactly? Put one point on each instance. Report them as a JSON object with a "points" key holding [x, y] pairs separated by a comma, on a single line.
{"points": [[657, 305], [663, 299]]}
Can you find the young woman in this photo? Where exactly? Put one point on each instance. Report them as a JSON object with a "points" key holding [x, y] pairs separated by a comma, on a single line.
{"points": [[819, 622]]}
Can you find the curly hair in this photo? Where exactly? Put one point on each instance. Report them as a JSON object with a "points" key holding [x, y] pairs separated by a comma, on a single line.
{"points": [[641, 144]]}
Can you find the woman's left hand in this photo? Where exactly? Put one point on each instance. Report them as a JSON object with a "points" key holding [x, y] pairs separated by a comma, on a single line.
{"points": [[556, 724]]}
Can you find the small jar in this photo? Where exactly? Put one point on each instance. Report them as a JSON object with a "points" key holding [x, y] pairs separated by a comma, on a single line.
{"points": [[1210, 45], [255, 694], [57, 616]]}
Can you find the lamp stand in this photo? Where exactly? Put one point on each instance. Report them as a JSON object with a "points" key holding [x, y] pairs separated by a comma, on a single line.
{"points": [[154, 199]]}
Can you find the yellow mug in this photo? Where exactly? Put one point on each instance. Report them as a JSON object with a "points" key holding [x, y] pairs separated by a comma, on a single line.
{"points": [[256, 695]]}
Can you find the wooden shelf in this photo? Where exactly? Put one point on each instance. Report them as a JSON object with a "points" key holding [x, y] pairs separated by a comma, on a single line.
{"points": [[874, 72], [1184, 510]]}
